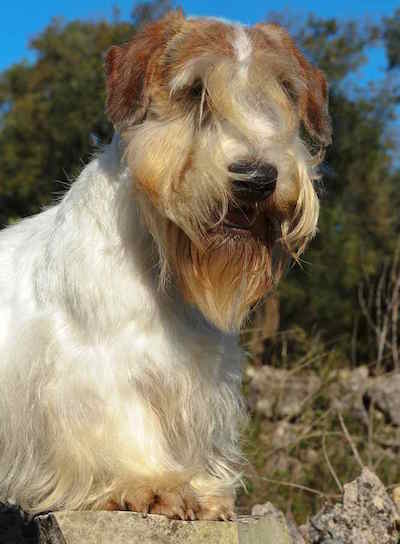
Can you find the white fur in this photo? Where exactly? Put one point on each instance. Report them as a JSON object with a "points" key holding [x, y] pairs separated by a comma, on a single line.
{"points": [[108, 383], [242, 45], [91, 349]]}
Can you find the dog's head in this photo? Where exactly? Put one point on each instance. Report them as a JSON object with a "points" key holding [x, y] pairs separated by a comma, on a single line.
{"points": [[223, 127]]}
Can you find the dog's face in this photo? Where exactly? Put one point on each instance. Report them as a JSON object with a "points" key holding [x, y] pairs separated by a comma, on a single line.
{"points": [[212, 116]]}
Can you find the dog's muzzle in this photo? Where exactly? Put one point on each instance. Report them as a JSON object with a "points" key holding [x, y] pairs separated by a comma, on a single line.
{"points": [[256, 183]]}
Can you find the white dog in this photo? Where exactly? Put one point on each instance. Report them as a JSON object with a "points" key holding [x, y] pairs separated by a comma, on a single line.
{"points": [[119, 362]]}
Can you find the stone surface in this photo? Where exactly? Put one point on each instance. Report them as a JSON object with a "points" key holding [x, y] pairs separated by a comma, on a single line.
{"points": [[385, 394], [396, 497], [278, 393], [347, 392], [269, 510], [367, 515], [16, 527], [132, 528]]}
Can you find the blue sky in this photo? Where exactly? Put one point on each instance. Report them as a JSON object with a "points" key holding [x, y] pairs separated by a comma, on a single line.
{"points": [[22, 20]]}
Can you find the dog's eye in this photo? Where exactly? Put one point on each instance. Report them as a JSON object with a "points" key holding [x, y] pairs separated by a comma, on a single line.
{"points": [[289, 90], [196, 90]]}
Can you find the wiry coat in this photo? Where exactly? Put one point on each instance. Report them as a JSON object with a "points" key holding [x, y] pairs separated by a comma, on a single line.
{"points": [[106, 381], [119, 366]]}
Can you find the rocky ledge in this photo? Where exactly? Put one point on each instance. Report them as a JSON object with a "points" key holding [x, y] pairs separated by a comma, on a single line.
{"points": [[367, 514]]}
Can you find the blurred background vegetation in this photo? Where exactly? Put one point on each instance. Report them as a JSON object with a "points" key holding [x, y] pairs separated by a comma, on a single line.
{"points": [[328, 337]]}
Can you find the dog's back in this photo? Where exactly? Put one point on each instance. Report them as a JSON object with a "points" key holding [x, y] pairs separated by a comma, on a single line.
{"points": [[21, 245]]}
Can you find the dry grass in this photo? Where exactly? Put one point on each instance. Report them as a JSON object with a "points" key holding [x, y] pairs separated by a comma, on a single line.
{"points": [[301, 461]]}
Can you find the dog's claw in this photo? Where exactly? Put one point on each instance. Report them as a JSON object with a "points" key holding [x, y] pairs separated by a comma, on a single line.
{"points": [[181, 514], [181, 503]]}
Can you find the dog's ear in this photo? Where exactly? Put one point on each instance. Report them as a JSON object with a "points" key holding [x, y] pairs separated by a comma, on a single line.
{"points": [[313, 102], [312, 94], [129, 68]]}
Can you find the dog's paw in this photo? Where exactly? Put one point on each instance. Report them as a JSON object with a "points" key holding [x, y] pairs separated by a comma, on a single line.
{"points": [[138, 501], [177, 503], [217, 508]]}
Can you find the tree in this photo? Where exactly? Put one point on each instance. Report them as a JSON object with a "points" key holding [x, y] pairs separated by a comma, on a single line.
{"points": [[359, 224], [391, 36], [52, 111]]}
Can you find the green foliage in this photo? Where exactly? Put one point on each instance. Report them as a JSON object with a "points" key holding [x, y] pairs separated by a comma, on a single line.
{"points": [[391, 35], [337, 48], [52, 111], [359, 222]]}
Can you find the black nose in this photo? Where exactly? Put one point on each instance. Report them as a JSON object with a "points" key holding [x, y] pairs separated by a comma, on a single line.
{"points": [[258, 181]]}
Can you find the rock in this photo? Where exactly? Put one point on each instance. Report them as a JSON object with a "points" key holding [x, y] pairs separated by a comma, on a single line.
{"points": [[354, 380], [16, 527], [347, 392], [128, 527], [279, 393], [367, 515], [270, 510], [384, 392], [284, 434], [297, 537], [396, 497]]}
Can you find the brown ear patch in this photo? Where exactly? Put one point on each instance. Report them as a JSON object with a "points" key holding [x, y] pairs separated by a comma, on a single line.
{"points": [[201, 38], [129, 68], [312, 102]]}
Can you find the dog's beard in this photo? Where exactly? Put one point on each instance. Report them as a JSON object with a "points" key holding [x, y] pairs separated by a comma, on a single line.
{"points": [[225, 266], [183, 189], [236, 261], [226, 274]]}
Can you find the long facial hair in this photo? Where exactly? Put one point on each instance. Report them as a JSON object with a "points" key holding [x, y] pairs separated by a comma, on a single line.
{"points": [[196, 105], [220, 271], [224, 277]]}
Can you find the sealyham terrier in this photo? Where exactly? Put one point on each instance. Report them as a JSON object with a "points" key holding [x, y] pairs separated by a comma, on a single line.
{"points": [[120, 306]]}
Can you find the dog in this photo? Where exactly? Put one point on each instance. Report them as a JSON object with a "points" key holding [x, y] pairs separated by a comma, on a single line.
{"points": [[120, 306]]}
